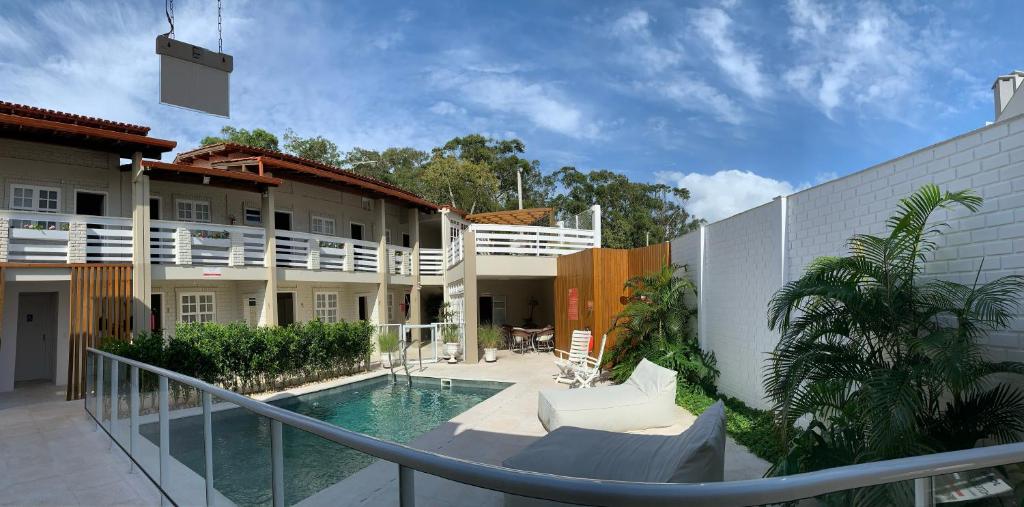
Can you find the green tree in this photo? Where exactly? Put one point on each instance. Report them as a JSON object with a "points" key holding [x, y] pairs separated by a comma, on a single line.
{"points": [[886, 365], [633, 214], [466, 185], [318, 148], [398, 166], [256, 138], [501, 158]]}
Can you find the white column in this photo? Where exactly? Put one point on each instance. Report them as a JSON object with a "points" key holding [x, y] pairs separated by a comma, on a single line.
{"points": [[596, 225], [5, 238], [415, 316], [236, 253], [182, 246], [77, 239], [269, 314], [313, 254], [142, 288]]}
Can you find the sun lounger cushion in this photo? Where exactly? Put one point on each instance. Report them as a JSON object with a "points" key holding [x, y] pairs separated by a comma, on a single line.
{"points": [[695, 455], [645, 400]]}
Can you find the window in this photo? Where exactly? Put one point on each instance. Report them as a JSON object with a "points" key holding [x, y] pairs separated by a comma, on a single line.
{"points": [[253, 216], [326, 306], [367, 204], [391, 308], [197, 307], [322, 225], [35, 198], [90, 203], [406, 240], [193, 211]]}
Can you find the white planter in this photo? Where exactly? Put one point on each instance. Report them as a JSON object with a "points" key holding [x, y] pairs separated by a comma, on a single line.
{"points": [[490, 355], [451, 350], [212, 242]]}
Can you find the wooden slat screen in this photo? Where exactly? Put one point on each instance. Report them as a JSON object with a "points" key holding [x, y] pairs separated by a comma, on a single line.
{"points": [[101, 307]]}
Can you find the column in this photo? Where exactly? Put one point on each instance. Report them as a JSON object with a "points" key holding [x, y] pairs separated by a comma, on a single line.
{"points": [[415, 316], [445, 244], [269, 315], [470, 301], [381, 303], [142, 286]]}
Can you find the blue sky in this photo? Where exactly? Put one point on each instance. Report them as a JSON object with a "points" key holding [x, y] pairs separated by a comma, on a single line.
{"points": [[737, 100]]}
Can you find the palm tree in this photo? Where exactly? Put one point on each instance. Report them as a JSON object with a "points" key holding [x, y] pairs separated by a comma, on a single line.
{"points": [[655, 324], [885, 364]]}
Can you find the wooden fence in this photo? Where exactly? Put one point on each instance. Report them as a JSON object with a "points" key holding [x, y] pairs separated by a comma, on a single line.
{"points": [[101, 307]]}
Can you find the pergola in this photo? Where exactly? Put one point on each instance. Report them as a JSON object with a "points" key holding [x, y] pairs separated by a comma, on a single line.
{"points": [[529, 216]]}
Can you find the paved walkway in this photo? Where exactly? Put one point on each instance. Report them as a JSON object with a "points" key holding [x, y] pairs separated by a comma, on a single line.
{"points": [[51, 454]]}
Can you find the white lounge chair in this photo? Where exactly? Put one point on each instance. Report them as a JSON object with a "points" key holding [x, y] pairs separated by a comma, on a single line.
{"points": [[577, 355], [587, 372], [646, 400]]}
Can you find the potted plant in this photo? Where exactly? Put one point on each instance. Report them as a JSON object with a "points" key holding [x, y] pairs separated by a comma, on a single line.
{"points": [[452, 341], [489, 338], [388, 345]]}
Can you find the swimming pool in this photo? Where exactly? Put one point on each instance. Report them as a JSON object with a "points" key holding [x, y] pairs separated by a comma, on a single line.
{"points": [[376, 407]]}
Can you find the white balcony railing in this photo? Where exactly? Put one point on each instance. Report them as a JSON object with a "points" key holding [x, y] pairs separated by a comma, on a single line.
{"points": [[399, 260], [431, 261], [59, 238], [531, 240], [203, 244], [316, 251]]}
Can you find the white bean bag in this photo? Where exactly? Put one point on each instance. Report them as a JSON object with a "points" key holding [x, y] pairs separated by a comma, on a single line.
{"points": [[646, 400]]}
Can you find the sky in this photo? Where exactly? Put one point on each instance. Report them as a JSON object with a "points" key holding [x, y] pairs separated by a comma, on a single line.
{"points": [[738, 101]]}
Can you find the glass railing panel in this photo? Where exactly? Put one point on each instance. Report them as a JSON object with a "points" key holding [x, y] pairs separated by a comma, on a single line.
{"points": [[993, 486], [323, 472], [145, 437], [241, 456], [185, 476], [120, 389], [90, 384], [103, 381]]}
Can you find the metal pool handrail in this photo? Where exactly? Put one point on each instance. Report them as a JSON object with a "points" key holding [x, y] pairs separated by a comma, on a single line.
{"points": [[576, 490]]}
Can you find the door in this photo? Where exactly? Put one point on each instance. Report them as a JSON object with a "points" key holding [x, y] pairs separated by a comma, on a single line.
{"points": [[356, 230], [156, 313], [486, 310], [498, 310], [406, 242], [251, 310], [154, 208], [35, 350], [282, 221], [363, 310], [285, 308], [89, 203]]}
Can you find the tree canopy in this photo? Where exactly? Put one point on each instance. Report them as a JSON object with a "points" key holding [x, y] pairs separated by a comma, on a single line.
{"points": [[479, 174]]}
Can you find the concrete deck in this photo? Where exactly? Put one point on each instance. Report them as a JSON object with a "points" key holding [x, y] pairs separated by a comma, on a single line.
{"points": [[51, 454]]}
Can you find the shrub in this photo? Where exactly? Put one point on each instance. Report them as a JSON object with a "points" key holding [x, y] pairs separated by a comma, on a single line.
{"points": [[251, 359], [488, 336], [886, 366]]}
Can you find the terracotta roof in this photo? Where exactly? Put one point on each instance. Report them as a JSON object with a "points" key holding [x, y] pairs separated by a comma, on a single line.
{"points": [[216, 177], [309, 167], [42, 125], [74, 119], [527, 216]]}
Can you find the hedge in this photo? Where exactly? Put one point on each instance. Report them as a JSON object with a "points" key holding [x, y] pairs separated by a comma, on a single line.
{"points": [[253, 359], [750, 427]]}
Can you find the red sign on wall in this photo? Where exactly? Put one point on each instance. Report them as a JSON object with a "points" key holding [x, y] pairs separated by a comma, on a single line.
{"points": [[574, 304]]}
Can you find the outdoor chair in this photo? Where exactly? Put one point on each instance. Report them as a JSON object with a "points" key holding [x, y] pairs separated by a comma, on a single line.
{"points": [[587, 372], [566, 362], [521, 339], [506, 336], [696, 455], [545, 339]]}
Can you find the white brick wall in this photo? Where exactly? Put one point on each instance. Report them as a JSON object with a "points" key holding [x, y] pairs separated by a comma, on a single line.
{"points": [[820, 219]]}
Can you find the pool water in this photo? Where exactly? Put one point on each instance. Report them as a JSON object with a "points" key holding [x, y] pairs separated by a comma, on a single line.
{"points": [[376, 407]]}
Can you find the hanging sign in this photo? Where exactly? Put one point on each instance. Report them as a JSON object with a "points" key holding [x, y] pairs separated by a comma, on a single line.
{"points": [[574, 304], [193, 77]]}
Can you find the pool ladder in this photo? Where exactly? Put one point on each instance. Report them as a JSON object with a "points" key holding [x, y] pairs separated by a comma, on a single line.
{"points": [[446, 382]]}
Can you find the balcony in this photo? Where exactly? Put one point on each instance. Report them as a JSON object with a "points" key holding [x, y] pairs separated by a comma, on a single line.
{"points": [[35, 237], [431, 262], [316, 251], [531, 240]]}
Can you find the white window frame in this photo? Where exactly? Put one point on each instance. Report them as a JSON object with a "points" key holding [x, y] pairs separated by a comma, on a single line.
{"points": [[198, 313], [245, 216], [35, 197], [106, 198], [324, 221], [163, 303], [326, 309], [366, 204], [192, 210], [363, 226]]}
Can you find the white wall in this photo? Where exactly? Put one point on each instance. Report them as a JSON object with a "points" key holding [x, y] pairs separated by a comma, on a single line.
{"points": [[745, 258]]}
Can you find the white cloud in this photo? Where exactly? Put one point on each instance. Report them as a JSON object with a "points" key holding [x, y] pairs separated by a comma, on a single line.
{"points": [[741, 64], [445, 108], [865, 58], [725, 193], [693, 94], [641, 49]]}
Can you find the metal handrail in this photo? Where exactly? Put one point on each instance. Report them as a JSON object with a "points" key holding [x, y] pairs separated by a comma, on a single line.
{"points": [[574, 490]]}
